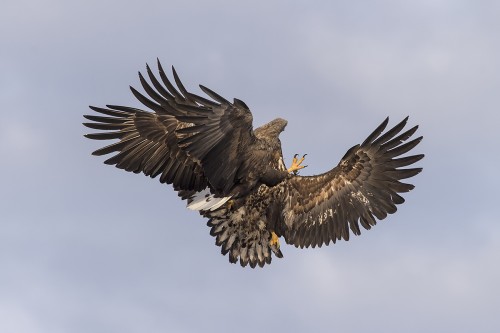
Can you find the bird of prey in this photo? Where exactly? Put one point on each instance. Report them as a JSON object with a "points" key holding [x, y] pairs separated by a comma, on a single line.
{"points": [[235, 176]]}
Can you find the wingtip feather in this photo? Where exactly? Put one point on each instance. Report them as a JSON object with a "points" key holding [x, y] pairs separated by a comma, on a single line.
{"points": [[160, 67]]}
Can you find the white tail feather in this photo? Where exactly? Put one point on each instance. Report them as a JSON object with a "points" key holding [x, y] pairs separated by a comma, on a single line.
{"points": [[204, 200]]}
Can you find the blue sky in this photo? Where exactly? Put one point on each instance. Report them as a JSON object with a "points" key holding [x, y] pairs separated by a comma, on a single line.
{"points": [[85, 247]]}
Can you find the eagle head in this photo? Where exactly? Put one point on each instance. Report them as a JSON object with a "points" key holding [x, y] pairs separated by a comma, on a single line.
{"points": [[272, 128]]}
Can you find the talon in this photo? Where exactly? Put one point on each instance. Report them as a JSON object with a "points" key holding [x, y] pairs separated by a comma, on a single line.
{"points": [[296, 164], [274, 240], [230, 204]]}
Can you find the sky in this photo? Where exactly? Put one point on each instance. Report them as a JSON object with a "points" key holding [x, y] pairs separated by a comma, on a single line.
{"points": [[85, 247]]}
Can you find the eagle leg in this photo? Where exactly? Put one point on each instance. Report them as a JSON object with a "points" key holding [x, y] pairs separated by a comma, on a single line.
{"points": [[296, 164], [274, 244], [274, 240]]}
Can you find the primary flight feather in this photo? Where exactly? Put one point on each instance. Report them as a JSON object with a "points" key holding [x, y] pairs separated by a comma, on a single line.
{"points": [[235, 175]]}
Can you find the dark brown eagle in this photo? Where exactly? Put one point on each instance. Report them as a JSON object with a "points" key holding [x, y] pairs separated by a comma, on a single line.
{"points": [[235, 175]]}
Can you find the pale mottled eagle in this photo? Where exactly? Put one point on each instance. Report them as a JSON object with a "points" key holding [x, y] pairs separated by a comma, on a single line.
{"points": [[235, 175]]}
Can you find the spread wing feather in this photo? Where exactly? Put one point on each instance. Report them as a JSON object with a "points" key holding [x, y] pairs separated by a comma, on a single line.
{"points": [[219, 132], [191, 141], [147, 143], [362, 188]]}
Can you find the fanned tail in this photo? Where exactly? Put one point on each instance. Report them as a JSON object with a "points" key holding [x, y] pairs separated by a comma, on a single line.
{"points": [[242, 240]]}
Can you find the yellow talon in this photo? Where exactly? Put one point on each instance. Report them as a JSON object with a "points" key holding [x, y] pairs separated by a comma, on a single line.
{"points": [[296, 164], [274, 240]]}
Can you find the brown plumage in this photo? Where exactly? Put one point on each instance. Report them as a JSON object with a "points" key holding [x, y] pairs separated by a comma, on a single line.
{"points": [[235, 176]]}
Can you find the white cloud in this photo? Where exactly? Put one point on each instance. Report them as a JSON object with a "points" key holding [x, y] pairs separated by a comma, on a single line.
{"points": [[399, 282], [15, 319], [20, 141]]}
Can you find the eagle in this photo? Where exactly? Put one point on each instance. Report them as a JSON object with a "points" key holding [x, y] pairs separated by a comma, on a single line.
{"points": [[235, 176]]}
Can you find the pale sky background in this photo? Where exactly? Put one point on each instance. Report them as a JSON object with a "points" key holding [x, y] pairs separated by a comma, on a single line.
{"points": [[85, 247]]}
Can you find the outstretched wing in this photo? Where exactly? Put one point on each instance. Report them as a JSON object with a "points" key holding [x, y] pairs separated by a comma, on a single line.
{"points": [[147, 143], [193, 142], [363, 187], [221, 132]]}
